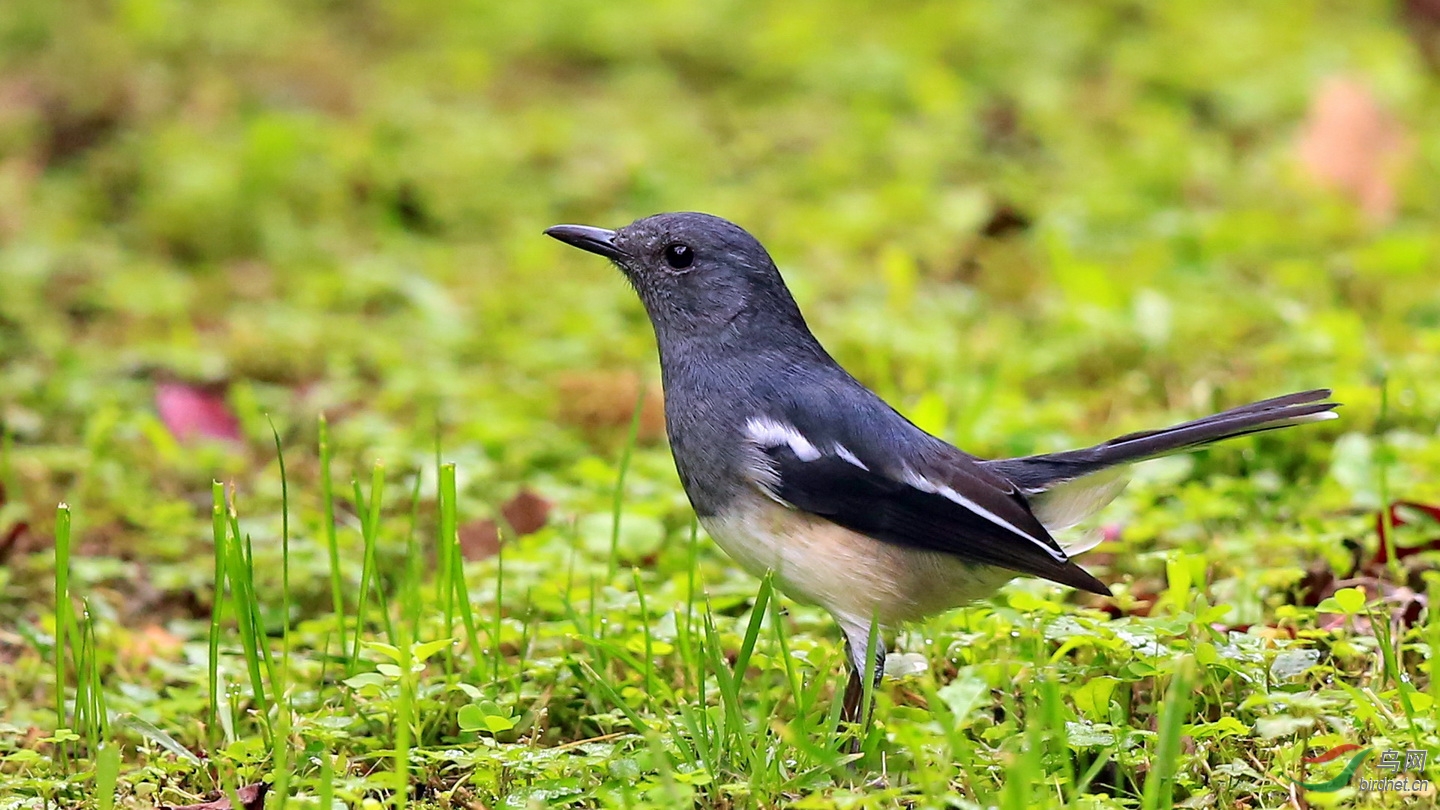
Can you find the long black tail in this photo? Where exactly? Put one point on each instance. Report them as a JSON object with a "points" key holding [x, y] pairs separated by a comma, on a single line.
{"points": [[1036, 474]]}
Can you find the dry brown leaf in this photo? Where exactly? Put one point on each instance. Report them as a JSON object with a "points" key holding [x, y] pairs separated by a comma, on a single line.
{"points": [[12, 537], [1353, 145], [1005, 220], [479, 539], [526, 513], [153, 642], [1422, 22], [597, 401]]}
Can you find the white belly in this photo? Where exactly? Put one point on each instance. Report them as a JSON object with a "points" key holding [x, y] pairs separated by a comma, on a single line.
{"points": [[853, 576]]}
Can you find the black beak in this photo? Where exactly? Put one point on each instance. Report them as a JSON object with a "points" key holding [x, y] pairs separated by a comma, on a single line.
{"points": [[595, 240]]}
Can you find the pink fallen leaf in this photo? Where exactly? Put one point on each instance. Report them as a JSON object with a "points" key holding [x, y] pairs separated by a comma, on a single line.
{"points": [[195, 412], [1351, 144], [252, 797]]}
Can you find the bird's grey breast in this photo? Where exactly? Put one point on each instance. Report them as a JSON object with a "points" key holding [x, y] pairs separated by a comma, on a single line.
{"points": [[705, 405]]}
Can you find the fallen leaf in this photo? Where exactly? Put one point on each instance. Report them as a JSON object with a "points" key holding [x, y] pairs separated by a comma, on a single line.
{"points": [[598, 401], [12, 538], [1372, 570], [479, 539], [1398, 512], [252, 797], [1004, 221], [1422, 22], [1351, 144], [152, 642], [526, 513], [193, 411]]}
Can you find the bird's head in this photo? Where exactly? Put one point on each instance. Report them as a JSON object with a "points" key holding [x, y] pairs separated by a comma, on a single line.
{"points": [[697, 274]]}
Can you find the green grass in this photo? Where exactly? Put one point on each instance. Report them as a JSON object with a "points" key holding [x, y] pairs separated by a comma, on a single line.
{"points": [[335, 210]]}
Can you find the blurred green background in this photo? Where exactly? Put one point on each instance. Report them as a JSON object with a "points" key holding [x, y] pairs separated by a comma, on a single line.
{"points": [[1027, 224], [1020, 221]]}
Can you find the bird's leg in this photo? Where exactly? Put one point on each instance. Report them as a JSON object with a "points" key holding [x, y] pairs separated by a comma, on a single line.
{"points": [[854, 694], [867, 659]]}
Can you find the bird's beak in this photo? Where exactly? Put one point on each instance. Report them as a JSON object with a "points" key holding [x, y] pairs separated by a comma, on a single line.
{"points": [[595, 240]]}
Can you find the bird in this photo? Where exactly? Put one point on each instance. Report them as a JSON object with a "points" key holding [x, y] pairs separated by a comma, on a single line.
{"points": [[800, 472]]}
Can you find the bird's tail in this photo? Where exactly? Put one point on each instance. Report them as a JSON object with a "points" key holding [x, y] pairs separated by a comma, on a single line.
{"points": [[1047, 479]]}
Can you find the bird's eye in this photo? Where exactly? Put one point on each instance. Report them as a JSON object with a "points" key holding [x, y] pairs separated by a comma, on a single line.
{"points": [[679, 256]]}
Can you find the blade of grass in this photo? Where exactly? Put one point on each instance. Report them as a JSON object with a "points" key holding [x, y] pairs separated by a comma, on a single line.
{"points": [[961, 750], [649, 673], [1385, 637], [752, 630], [8, 479], [686, 635], [367, 570], [1159, 792], [617, 506], [327, 499], [91, 720], [226, 711], [369, 510], [246, 572], [151, 732], [107, 775], [447, 554], [284, 558], [97, 693], [868, 731], [724, 682], [281, 773], [217, 607], [239, 567], [456, 589], [1026, 771], [87, 675], [404, 720], [752, 743], [1384, 459], [326, 788], [499, 626], [614, 699], [64, 617], [410, 608], [698, 731], [1052, 722], [792, 677], [1432, 632]]}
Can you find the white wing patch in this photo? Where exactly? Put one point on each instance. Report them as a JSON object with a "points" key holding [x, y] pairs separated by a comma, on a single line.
{"points": [[844, 452], [769, 433], [924, 484]]}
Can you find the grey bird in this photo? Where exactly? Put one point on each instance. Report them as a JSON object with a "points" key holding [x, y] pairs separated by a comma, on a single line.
{"points": [[796, 468]]}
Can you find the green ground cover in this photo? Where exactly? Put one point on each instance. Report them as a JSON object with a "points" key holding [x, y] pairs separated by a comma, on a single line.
{"points": [[1028, 225]]}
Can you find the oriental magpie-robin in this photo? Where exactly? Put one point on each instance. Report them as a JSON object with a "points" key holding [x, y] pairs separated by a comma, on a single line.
{"points": [[795, 468]]}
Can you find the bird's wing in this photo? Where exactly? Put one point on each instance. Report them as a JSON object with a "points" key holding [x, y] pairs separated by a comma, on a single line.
{"points": [[875, 473]]}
